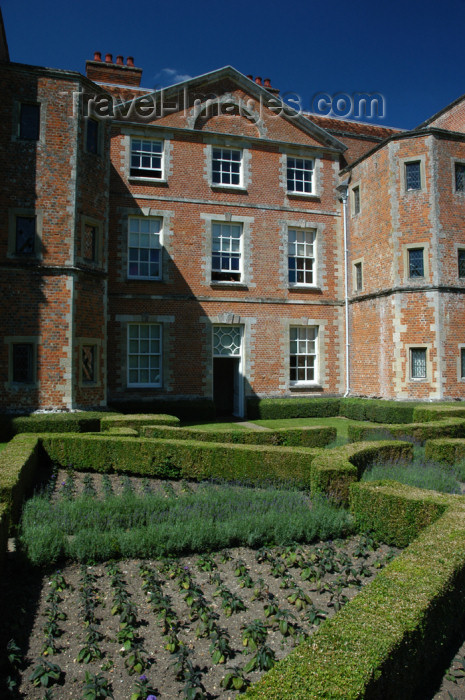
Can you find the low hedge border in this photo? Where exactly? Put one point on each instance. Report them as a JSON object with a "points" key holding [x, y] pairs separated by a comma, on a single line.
{"points": [[136, 421], [18, 464], [310, 436], [186, 459], [79, 422], [333, 471], [420, 432], [374, 410], [381, 644], [446, 451], [426, 413], [329, 471]]}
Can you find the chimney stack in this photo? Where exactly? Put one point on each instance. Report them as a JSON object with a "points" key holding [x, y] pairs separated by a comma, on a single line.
{"points": [[109, 73]]}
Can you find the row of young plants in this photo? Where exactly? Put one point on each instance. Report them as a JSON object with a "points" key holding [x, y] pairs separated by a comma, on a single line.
{"points": [[92, 527], [278, 594]]}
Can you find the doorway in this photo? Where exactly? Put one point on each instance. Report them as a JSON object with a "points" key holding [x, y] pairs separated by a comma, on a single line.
{"points": [[228, 382]]}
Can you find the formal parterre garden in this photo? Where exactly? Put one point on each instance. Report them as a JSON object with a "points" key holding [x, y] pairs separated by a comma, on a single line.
{"points": [[314, 551]]}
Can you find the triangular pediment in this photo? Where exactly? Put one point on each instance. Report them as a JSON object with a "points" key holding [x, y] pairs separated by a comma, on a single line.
{"points": [[225, 101]]}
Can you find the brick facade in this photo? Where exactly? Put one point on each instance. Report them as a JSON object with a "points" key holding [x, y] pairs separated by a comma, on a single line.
{"points": [[176, 253]]}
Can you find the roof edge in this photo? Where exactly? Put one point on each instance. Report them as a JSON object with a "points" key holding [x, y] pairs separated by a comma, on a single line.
{"points": [[260, 92]]}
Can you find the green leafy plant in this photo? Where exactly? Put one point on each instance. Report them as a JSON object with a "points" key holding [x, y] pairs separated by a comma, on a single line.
{"points": [[135, 662], [284, 620], [300, 599], [234, 679], [263, 660], [220, 648], [143, 689], [96, 687], [206, 563], [45, 674], [254, 634]]}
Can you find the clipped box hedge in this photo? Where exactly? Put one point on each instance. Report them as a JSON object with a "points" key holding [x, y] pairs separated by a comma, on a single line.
{"points": [[377, 410], [18, 465], [307, 436], [383, 643], [267, 409], [452, 427], [395, 513], [333, 471], [428, 412], [373, 410], [181, 458], [446, 451], [136, 421], [185, 409], [78, 422]]}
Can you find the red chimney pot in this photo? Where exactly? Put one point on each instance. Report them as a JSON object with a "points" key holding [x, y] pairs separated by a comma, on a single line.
{"points": [[97, 55], [258, 80], [130, 61], [119, 60], [250, 77], [267, 82], [108, 58]]}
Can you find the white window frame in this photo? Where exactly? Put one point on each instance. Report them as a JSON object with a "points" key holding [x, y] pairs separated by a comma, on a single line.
{"points": [[225, 164], [296, 165], [225, 250], [303, 339], [143, 173], [140, 354], [302, 246], [155, 237]]}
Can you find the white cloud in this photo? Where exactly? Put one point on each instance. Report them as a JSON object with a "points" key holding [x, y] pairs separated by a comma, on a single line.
{"points": [[170, 76]]}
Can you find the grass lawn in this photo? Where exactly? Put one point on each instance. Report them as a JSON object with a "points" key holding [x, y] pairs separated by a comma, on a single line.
{"points": [[2, 445], [341, 424]]}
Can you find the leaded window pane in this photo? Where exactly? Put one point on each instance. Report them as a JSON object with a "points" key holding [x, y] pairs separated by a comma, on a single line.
{"points": [[25, 235], [90, 243], [461, 262], [462, 363], [460, 177], [418, 363], [226, 341], [413, 175], [416, 262]]}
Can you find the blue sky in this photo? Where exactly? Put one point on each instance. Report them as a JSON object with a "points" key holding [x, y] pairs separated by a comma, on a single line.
{"points": [[412, 53]]}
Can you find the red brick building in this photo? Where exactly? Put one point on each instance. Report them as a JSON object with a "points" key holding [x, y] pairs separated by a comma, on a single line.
{"points": [[189, 244]]}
